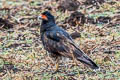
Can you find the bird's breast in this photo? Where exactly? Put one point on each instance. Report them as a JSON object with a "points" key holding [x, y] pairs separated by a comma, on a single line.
{"points": [[48, 43]]}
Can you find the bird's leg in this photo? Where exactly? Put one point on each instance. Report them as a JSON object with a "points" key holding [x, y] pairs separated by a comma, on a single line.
{"points": [[74, 60], [57, 64]]}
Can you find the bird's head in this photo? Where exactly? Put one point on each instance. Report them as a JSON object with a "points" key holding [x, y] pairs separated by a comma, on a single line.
{"points": [[46, 16]]}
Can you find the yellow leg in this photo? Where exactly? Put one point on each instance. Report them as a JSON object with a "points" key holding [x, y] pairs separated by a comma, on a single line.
{"points": [[57, 64], [74, 60]]}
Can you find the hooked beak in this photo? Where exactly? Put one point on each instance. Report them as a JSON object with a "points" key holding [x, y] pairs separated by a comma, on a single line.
{"points": [[39, 17]]}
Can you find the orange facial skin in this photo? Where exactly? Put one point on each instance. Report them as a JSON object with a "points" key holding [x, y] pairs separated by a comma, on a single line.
{"points": [[44, 17]]}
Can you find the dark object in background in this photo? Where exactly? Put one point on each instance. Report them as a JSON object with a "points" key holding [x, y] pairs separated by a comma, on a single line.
{"points": [[59, 43], [34, 24], [8, 67], [70, 5], [64, 26], [75, 35], [94, 2], [48, 8], [5, 24], [111, 2], [99, 20], [103, 19], [115, 21], [55, 0], [76, 18], [90, 20]]}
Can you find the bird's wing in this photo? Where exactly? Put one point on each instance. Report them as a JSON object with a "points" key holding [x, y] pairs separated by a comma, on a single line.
{"points": [[62, 43]]}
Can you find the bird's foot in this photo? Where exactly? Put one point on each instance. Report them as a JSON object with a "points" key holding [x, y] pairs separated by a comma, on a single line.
{"points": [[56, 69], [57, 66]]}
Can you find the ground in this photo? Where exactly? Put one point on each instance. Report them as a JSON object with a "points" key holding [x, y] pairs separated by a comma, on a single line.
{"points": [[22, 56]]}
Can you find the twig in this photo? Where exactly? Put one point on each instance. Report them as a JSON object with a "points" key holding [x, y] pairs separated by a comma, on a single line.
{"points": [[4, 8], [25, 17]]}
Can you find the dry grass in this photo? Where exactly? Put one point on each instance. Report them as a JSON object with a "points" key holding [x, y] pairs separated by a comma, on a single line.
{"points": [[22, 56]]}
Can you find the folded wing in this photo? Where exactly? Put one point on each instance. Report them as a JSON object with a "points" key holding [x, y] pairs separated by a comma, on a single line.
{"points": [[60, 42]]}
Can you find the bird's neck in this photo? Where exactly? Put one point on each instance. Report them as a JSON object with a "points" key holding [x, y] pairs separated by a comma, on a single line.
{"points": [[47, 25]]}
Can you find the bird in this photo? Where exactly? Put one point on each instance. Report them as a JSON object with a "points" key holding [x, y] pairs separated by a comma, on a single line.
{"points": [[58, 42]]}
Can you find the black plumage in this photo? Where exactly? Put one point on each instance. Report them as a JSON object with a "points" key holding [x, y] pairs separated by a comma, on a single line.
{"points": [[59, 43]]}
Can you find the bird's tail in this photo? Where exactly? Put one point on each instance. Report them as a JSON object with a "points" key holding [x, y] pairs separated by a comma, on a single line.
{"points": [[82, 57]]}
